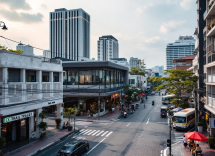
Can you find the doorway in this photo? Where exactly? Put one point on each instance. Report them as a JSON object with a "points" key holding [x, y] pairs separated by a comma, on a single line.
{"points": [[13, 131]]}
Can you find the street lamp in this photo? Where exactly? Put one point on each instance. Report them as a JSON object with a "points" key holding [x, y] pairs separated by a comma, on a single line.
{"points": [[3, 26]]}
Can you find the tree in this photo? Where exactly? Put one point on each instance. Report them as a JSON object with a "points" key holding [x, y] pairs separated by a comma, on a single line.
{"points": [[11, 50], [131, 92], [136, 71], [180, 83], [69, 112]]}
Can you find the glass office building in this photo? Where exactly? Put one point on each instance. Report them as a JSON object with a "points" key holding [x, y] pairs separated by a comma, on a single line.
{"points": [[182, 47]]}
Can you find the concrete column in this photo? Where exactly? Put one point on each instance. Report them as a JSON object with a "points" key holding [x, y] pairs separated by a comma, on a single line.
{"points": [[31, 127], [38, 120], [39, 79], [22, 76], [61, 83], [51, 85], [60, 114], [5, 85]]}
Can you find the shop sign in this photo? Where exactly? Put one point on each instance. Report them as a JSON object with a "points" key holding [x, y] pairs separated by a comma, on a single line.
{"points": [[212, 122], [49, 103], [18, 117], [22, 123]]}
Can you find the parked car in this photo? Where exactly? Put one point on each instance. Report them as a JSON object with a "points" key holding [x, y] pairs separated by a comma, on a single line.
{"points": [[153, 93], [74, 148]]}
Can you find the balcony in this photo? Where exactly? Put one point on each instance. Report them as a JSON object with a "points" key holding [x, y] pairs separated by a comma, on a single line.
{"points": [[210, 11], [211, 58], [211, 78], [196, 61], [196, 32], [196, 45], [211, 48]]}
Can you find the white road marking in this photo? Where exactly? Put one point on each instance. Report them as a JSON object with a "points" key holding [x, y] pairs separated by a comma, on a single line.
{"points": [[83, 132], [109, 134], [147, 121], [96, 146], [99, 133], [87, 132], [104, 133], [91, 132], [128, 124], [95, 132]]}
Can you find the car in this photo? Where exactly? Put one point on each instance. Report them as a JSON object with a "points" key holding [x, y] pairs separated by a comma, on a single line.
{"points": [[153, 93], [74, 148]]}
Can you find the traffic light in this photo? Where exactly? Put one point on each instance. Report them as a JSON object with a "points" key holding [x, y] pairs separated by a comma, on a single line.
{"points": [[62, 104], [168, 142], [206, 116]]}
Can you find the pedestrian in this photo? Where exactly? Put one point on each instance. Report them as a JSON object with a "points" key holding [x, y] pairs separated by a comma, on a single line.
{"points": [[185, 142], [88, 113], [113, 109]]}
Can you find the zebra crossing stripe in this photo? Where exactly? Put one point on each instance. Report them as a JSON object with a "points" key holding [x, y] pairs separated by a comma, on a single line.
{"points": [[82, 132], [87, 132], [95, 132], [99, 133], [91, 132], [109, 134], [104, 133]]}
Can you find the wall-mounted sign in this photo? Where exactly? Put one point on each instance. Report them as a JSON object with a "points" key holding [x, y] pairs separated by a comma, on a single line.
{"points": [[49, 103], [212, 122], [18, 117]]}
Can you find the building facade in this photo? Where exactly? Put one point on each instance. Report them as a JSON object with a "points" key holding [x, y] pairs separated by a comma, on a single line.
{"points": [[183, 63], [108, 48], [134, 62], [27, 86], [27, 49], [182, 47], [158, 69], [70, 34], [47, 54]]}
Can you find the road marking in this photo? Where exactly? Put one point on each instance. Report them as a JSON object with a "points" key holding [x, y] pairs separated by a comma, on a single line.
{"points": [[83, 132], [104, 133], [87, 132], [99, 133], [147, 121], [128, 124], [95, 132], [109, 134], [96, 146], [91, 132]]}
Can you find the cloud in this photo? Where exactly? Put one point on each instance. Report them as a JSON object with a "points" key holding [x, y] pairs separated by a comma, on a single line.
{"points": [[147, 6], [186, 4], [139, 10], [17, 4], [153, 39], [43, 6], [170, 26], [21, 17]]}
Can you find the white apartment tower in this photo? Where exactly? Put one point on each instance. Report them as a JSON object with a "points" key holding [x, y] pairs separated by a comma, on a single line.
{"points": [[27, 49], [108, 48], [70, 34], [47, 54], [182, 47]]}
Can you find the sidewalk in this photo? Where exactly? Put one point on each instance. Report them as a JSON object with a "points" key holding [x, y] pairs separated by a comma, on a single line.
{"points": [[178, 149], [38, 144]]}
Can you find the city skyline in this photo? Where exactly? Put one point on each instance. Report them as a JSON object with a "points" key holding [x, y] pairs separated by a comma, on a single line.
{"points": [[23, 20]]}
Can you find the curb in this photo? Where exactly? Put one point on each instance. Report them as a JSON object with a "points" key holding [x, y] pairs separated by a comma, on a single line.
{"points": [[48, 145]]}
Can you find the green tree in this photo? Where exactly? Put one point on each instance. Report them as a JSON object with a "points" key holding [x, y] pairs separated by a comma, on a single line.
{"points": [[180, 83], [136, 71], [131, 92], [11, 50], [70, 111]]}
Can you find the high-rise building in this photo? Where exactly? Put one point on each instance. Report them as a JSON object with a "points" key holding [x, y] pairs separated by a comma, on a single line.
{"points": [[47, 54], [108, 48], [27, 49], [70, 34], [182, 47], [134, 62], [158, 69]]}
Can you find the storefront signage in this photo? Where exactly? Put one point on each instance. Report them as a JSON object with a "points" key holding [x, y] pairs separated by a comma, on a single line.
{"points": [[18, 117], [51, 102], [212, 122]]}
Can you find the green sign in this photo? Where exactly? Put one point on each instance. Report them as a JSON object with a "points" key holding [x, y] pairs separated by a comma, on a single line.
{"points": [[6, 120]]}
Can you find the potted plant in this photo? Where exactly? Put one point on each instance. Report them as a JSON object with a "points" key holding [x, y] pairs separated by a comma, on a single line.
{"points": [[58, 121], [2, 144], [42, 135], [69, 112], [200, 126], [69, 128], [42, 125], [211, 142]]}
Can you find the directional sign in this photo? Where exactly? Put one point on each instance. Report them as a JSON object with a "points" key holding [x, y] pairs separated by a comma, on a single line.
{"points": [[212, 122]]}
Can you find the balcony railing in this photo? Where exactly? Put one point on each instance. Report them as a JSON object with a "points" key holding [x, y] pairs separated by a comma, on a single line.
{"points": [[211, 48], [211, 78]]}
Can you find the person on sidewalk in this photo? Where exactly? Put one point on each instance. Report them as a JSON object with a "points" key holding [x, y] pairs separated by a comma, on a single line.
{"points": [[88, 114], [185, 142], [198, 148], [113, 109]]}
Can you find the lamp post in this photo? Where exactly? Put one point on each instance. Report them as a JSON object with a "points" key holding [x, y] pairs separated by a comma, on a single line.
{"points": [[2, 24]]}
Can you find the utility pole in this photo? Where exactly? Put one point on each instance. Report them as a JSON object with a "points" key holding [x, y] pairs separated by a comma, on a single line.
{"points": [[99, 102], [196, 108], [170, 134], [121, 100]]}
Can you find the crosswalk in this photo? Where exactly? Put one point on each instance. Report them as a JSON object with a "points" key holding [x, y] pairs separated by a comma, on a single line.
{"points": [[83, 123], [94, 132]]}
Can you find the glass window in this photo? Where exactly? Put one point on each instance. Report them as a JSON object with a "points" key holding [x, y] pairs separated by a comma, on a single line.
{"points": [[30, 76], [73, 77], [45, 76], [132, 81], [177, 119], [55, 77], [14, 75]]}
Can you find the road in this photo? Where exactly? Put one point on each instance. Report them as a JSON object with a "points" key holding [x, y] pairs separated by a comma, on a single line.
{"points": [[143, 133]]}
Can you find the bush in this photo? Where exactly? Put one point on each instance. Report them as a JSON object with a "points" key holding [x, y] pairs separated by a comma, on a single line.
{"points": [[58, 121], [42, 125], [200, 124], [43, 134], [2, 142], [211, 140]]}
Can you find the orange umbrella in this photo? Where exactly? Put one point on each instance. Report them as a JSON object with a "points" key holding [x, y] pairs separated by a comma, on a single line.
{"points": [[196, 136]]}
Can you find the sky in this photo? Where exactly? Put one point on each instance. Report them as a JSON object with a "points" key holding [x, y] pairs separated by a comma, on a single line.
{"points": [[143, 28]]}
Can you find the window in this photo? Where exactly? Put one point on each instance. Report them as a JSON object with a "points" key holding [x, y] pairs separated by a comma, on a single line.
{"points": [[14, 75], [132, 81], [30, 76], [45, 76], [55, 77]]}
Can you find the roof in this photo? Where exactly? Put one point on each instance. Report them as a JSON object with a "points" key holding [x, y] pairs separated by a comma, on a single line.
{"points": [[184, 112], [190, 57]]}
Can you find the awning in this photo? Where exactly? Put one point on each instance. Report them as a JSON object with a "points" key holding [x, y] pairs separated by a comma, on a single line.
{"points": [[143, 94]]}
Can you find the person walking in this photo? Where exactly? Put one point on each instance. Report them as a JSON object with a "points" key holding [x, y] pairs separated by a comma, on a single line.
{"points": [[185, 142], [88, 114], [113, 109]]}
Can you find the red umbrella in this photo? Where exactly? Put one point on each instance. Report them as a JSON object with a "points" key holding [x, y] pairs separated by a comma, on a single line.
{"points": [[143, 94], [196, 136]]}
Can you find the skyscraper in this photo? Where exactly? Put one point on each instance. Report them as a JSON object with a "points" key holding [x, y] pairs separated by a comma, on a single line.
{"points": [[70, 34], [182, 47], [108, 48], [134, 62]]}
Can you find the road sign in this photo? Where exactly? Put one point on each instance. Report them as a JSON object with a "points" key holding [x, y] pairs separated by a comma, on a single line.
{"points": [[212, 122]]}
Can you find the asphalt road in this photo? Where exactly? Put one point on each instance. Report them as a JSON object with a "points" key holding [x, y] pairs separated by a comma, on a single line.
{"points": [[143, 133]]}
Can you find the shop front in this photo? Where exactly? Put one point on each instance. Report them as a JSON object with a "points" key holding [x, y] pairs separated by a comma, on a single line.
{"points": [[16, 127]]}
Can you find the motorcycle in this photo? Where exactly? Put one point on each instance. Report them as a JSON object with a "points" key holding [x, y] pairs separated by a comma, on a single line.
{"points": [[125, 114], [153, 103], [198, 153], [131, 111]]}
